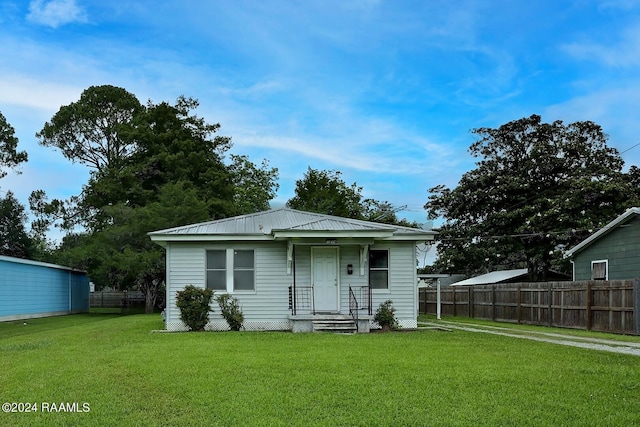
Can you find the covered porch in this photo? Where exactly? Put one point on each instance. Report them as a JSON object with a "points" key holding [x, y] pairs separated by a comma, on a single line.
{"points": [[329, 288]]}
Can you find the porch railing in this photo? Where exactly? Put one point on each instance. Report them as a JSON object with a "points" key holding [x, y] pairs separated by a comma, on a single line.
{"points": [[353, 306], [359, 300], [301, 300]]}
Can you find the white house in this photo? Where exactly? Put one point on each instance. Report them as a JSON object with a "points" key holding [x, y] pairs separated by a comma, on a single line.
{"points": [[294, 270]]}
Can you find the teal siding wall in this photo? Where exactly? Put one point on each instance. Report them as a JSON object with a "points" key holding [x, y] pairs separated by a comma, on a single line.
{"points": [[31, 289], [621, 247]]}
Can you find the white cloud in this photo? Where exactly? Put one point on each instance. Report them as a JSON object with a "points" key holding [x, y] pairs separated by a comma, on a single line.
{"points": [[33, 93], [624, 53], [55, 12]]}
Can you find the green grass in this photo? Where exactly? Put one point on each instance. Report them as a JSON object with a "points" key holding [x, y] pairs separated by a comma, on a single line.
{"points": [[130, 376], [532, 328]]}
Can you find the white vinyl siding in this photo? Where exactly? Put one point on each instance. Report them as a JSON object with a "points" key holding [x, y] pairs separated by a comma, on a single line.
{"points": [[267, 306]]}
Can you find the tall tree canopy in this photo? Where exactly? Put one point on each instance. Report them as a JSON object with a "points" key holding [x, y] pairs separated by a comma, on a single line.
{"points": [[155, 166], [93, 131], [326, 192], [10, 157], [537, 188], [14, 239]]}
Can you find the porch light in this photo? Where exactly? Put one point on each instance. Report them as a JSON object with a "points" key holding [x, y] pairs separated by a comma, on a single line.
{"points": [[349, 268]]}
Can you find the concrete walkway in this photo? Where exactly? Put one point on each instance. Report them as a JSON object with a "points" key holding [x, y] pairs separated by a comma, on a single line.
{"points": [[632, 348]]}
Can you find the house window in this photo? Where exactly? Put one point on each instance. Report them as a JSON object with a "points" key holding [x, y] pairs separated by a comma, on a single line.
{"points": [[230, 270], [217, 270], [600, 270], [379, 269], [243, 277]]}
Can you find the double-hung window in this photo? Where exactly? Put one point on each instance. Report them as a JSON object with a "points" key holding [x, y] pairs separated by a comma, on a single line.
{"points": [[230, 270], [379, 269]]}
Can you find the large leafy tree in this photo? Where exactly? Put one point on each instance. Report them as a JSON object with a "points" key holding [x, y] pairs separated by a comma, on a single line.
{"points": [[14, 239], [254, 186], [168, 171], [94, 130], [326, 192], [10, 157], [536, 189]]}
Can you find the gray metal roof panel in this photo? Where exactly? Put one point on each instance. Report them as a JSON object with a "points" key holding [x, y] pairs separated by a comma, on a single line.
{"points": [[492, 277], [265, 222]]}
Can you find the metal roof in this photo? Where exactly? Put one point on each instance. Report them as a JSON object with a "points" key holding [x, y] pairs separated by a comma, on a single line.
{"points": [[275, 221], [493, 277], [604, 230]]}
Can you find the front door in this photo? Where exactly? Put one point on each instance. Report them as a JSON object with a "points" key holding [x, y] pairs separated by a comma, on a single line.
{"points": [[325, 278]]}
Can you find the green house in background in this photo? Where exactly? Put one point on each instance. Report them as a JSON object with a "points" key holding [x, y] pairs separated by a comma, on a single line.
{"points": [[611, 253]]}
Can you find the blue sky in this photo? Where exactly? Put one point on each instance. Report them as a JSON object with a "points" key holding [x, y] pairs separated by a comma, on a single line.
{"points": [[383, 91]]}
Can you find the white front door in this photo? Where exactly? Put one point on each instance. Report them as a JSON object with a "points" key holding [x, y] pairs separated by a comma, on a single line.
{"points": [[325, 278]]}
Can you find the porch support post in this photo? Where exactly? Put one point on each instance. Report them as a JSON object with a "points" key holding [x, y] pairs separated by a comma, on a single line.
{"points": [[364, 253], [438, 301], [293, 264]]}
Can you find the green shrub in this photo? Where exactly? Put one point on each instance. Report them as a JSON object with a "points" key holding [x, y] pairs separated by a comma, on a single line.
{"points": [[231, 311], [194, 304], [385, 316]]}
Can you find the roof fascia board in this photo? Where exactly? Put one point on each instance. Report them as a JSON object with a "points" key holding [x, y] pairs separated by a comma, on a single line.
{"points": [[208, 237], [604, 230], [288, 234]]}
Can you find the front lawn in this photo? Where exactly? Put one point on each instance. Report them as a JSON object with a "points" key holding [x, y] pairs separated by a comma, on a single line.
{"points": [[129, 376]]}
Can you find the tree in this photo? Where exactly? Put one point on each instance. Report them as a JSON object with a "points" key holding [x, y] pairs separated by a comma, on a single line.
{"points": [[14, 240], [326, 192], [94, 130], [153, 167], [253, 186], [9, 156], [537, 188]]}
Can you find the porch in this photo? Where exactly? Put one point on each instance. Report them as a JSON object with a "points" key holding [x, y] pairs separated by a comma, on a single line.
{"points": [[305, 318]]}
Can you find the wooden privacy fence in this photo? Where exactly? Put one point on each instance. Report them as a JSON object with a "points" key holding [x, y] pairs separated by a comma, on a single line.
{"points": [[117, 299], [607, 306]]}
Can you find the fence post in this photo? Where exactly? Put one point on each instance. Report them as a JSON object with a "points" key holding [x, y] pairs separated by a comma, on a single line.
{"points": [[550, 304], [470, 299], [589, 304], [519, 309], [453, 298], [636, 306], [493, 302]]}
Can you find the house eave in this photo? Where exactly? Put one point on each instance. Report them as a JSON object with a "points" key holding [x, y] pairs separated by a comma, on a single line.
{"points": [[163, 239], [292, 234], [603, 231]]}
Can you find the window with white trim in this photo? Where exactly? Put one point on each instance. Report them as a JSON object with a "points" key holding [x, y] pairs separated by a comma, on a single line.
{"points": [[217, 270], [230, 270], [379, 268], [600, 270]]}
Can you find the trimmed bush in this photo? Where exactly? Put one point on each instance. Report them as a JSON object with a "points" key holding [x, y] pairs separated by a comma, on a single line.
{"points": [[385, 316], [231, 311], [194, 304]]}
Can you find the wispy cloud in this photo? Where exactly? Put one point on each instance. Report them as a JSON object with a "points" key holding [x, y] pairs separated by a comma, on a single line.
{"points": [[624, 52], [55, 13]]}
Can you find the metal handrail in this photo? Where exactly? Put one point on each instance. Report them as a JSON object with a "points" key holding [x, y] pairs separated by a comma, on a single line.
{"points": [[353, 307]]}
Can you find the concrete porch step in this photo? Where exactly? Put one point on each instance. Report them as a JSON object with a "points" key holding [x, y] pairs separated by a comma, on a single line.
{"points": [[337, 325]]}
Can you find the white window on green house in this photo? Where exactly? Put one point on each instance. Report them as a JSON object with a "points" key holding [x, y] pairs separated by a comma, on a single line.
{"points": [[230, 270], [600, 270], [379, 269]]}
